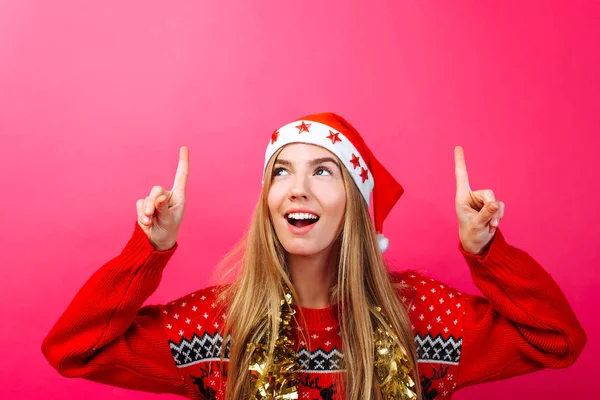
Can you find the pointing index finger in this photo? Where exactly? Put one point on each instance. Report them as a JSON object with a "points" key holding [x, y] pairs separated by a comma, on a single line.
{"points": [[182, 170], [460, 169]]}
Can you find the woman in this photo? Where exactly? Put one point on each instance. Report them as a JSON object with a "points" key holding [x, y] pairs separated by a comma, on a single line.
{"points": [[314, 312]]}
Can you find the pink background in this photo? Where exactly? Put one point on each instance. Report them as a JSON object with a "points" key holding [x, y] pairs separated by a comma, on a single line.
{"points": [[95, 100]]}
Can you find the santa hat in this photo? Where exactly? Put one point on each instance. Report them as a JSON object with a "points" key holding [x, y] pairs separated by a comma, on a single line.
{"points": [[335, 134]]}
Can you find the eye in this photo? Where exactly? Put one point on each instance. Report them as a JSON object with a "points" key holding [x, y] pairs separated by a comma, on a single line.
{"points": [[323, 171], [279, 171]]}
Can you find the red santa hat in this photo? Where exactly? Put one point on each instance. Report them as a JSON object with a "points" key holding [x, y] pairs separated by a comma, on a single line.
{"points": [[335, 134]]}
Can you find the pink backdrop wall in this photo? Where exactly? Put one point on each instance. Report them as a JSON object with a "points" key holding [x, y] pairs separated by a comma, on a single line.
{"points": [[95, 100]]}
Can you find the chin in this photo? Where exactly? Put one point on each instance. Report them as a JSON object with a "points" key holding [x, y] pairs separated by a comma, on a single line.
{"points": [[303, 247]]}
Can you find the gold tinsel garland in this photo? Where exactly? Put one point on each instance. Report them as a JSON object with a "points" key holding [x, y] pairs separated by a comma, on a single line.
{"points": [[392, 365], [279, 380]]}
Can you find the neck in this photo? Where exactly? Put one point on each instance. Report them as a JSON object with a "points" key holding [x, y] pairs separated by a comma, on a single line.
{"points": [[313, 276]]}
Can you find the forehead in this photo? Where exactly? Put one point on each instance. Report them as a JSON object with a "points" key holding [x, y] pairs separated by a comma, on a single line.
{"points": [[303, 152]]}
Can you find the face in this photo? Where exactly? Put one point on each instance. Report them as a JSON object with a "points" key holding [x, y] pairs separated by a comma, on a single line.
{"points": [[307, 199]]}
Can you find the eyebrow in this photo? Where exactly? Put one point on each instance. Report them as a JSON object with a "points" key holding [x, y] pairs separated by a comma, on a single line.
{"points": [[311, 163]]}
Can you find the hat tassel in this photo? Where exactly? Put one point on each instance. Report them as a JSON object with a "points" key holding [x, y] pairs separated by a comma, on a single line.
{"points": [[382, 242]]}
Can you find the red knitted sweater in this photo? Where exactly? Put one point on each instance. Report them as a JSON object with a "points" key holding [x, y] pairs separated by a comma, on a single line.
{"points": [[522, 324]]}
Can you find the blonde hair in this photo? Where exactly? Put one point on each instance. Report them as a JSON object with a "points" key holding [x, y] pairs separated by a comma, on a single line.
{"points": [[363, 282]]}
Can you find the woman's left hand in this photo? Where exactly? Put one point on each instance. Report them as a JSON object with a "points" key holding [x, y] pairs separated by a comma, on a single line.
{"points": [[479, 213]]}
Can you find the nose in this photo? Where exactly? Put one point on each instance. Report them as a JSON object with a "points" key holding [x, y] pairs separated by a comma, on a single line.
{"points": [[299, 190]]}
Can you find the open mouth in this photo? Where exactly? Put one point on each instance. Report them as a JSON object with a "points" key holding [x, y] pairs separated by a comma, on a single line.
{"points": [[301, 220]]}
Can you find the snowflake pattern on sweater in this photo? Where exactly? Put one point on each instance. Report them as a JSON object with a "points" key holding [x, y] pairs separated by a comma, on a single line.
{"points": [[192, 324]]}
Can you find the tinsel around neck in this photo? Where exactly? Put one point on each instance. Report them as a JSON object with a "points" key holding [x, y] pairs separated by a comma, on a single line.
{"points": [[278, 380]]}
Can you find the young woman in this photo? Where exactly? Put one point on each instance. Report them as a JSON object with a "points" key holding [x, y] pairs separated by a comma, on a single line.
{"points": [[313, 311]]}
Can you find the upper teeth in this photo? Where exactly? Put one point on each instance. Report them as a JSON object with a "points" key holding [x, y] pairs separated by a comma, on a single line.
{"points": [[302, 216]]}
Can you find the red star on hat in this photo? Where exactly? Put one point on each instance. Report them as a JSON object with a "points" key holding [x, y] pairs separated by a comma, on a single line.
{"points": [[304, 127], [274, 137], [334, 137], [355, 161], [364, 174]]}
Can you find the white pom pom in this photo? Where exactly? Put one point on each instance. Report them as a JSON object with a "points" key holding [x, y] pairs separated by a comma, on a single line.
{"points": [[382, 242]]}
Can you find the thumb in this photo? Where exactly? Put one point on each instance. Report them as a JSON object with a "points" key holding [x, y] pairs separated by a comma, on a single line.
{"points": [[162, 207], [487, 212]]}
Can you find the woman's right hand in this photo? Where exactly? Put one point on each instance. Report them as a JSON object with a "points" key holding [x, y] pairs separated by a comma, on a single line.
{"points": [[160, 214]]}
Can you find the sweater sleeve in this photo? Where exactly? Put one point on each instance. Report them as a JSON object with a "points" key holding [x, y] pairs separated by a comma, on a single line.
{"points": [[522, 323], [105, 335]]}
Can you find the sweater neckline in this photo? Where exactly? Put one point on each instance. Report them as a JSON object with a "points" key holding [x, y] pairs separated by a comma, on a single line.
{"points": [[318, 318]]}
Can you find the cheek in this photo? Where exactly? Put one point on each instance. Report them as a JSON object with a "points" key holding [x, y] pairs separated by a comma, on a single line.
{"points": [[275, 198], [335, 201], [341, 207]]}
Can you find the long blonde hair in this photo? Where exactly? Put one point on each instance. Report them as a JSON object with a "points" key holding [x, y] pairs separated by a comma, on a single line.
{"points": [[363, 282]]}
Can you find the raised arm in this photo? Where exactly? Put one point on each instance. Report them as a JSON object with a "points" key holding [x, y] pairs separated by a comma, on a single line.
{"points": [[105, 334], [522, 323]]}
